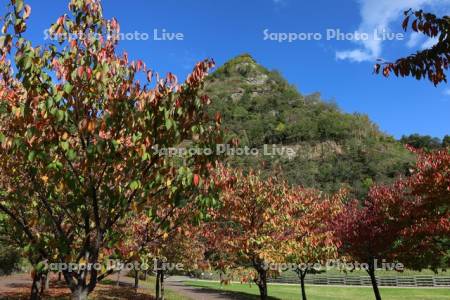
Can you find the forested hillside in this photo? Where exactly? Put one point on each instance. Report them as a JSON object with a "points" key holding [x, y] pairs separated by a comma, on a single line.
{"points": [[333, 149]]}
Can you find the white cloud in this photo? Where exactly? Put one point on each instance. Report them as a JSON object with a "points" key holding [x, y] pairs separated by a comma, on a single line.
{"points": [[356, 55], [379, 15], [430, 42], [414, 40], [417, 39]]}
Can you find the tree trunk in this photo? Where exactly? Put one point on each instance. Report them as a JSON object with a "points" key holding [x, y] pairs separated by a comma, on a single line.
{"points": [[118, 279], [136, 280], [162, 284], [302, 275], [47, 282], [36, 286], [145, 275], [373, 279], [262, 282], [157, 287], [80, 288], [80, 293], [59, 276]]}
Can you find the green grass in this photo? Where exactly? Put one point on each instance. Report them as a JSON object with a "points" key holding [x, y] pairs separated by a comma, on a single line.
{"points": [[288, 292]]}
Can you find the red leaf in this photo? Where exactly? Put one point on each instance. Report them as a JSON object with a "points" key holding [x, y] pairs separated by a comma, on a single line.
{"points": [[414, 25], [218, 117], [405, 23], [80, 72], [196, 179]]}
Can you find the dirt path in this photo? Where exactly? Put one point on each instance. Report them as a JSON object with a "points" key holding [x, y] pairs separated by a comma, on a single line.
{"points": [[175, 284]]}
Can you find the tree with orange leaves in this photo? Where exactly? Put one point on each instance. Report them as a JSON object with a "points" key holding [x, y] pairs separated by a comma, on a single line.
{"points": [[251, 224], [77, 134], [311, 241]]}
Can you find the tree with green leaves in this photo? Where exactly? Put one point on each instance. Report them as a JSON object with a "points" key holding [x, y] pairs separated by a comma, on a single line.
{"points": [[446, 141], [79, 123], [418, 141]]}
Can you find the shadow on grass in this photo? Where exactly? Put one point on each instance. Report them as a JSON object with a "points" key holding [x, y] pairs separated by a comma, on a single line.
{"points": [[221, 294], [120, 294], [231, 294]]}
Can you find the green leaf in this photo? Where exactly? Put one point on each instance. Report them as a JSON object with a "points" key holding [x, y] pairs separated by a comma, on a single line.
{"points": [[27, 61], [49, 103], [60, 115], [168, 124], [19, 6], [31, 155], [65, 145], [68, 88], [134, 185], [71, 154]]}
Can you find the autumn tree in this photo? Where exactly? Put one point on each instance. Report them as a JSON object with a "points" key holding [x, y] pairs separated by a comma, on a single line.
{"points": [[425, 240], [78, 126], [183, 247], [368, 231], [407, 221], [311, 241], [251, 223], [429, 63], [165, 232]]}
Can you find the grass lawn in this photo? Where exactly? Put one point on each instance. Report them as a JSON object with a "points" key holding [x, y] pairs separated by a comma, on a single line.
{"points": [[288, 292]]}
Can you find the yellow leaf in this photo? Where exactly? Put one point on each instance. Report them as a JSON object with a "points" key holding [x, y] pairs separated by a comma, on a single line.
{"points": [[44, 178]]}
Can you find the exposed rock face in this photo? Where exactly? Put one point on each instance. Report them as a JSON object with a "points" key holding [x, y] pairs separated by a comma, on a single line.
{"points": [[258, 79], [236, 96]]}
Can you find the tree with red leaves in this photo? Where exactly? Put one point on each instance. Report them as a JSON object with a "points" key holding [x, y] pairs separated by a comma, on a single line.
{"points": [[408, 221], [429, 63], [425, 241], [368, 231]]}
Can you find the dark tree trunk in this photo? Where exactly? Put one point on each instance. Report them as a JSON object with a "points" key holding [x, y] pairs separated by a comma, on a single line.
{"points": [[373, 279], [136, 280], [157, 287], [59, 276], [302, 275], [36, 286], [145, 275], [162, 285], [261, 281]]}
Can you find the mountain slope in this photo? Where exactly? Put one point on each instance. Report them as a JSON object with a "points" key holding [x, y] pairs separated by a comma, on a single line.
{"points": [[332, 149]]}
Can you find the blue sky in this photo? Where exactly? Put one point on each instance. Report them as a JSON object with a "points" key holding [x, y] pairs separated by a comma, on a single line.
{"points": [[341, 70]]}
